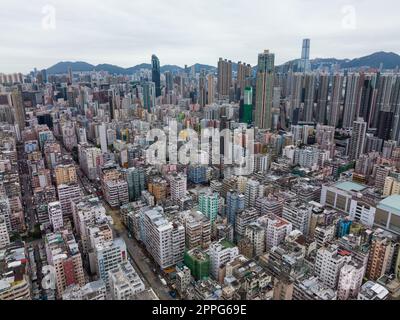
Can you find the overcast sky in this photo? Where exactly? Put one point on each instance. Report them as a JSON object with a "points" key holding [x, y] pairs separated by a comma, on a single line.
{"points": [[127, 32]]}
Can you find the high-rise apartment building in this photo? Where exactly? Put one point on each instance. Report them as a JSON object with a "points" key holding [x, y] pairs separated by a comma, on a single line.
{"points": [[351, 99], [246, 111], [149, 95], [244, 73], [209, 205], [264, 90], [224, 78], [210, 89], [124, 281], [178, 185], [221, 253], [65, 174], [256, 234], [322, 98], [109, 255], [234, 204], [379, 256], [305, 65], [63, 254], [276, 230], [4, 235], [66, 194], [328, 264], [136, 182], [335, 100], [357, 141], [156, 74], [252, 192], [90, 160], [55, 215], [18, 103], [164, 240], [350, 280]]}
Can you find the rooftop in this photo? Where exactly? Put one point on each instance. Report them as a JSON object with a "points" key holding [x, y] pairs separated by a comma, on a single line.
{"points": [[350, 186], [391, 203]]}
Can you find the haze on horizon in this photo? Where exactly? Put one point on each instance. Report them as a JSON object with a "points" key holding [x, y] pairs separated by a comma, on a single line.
{"points": [[40, 33]]}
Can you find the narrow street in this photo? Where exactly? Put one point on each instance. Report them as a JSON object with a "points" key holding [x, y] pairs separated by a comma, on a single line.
{"points": [[26, 189]]}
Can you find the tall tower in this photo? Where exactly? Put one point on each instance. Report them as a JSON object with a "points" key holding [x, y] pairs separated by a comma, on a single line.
{"points": [[149, 95], [384, 107], [368, 96], [202, 89], [18, 103], [352, 99], [357, 141], [309, 93], [156, 77], [322, 98], [243, 77], [246, 114], [210, 89], [70, 76], [336, 98], [305, 65], [224, 77], [265, 89], [395, 102], [169, 85]]}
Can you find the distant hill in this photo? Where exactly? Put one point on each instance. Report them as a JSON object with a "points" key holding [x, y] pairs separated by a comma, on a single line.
{"points": [[62, 68], [389, 60], [207, 68], [171, 68]]}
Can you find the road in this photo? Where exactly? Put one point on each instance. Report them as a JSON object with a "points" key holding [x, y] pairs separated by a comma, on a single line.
{"points": [[138, 257], [26, 190]]}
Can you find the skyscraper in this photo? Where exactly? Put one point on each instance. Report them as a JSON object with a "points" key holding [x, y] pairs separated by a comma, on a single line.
{"points": [[296, 89], [264, 89], [136, 182], [202, 89], [224, 78], [208, 205], [305, 65], [243, 76], [156, 76], [210, 89], [18, 104], [149, 95], [368, 97], [336, 97], [322, 98], [352, 99], [395, 102], [309, 93], [169, 84], [70, 76], [357, 138], [384, 106], [246, 110]]}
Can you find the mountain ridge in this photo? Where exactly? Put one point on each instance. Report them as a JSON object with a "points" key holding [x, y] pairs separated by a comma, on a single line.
{"points": [[389, 60]]}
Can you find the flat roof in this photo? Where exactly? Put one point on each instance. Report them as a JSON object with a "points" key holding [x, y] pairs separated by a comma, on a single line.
{"points": [[350, 186], [391, 204]]}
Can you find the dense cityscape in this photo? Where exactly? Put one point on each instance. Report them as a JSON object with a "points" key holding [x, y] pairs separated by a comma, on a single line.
{"points": [[106, 192]]}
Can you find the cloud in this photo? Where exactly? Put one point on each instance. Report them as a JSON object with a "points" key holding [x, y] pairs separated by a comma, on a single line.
{"points": [[127, 32]]}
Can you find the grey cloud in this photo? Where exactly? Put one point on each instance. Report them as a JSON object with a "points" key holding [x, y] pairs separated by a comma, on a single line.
{"points": [[126, 32]]}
